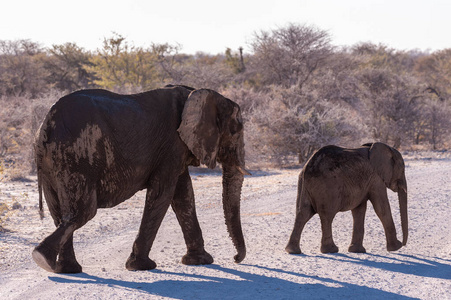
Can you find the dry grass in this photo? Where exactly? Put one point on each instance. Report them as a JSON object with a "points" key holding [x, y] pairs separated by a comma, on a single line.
{"points": [[20, 117]]}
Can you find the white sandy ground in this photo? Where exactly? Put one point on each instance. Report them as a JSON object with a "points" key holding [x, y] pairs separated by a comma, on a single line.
{"points": [[422, 269]]}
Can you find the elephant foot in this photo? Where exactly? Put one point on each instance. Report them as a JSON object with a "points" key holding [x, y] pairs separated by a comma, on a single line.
{"points": [[197, 258], [329, 248], [293, 249], [357, 249], [45, 257], [394, 246], [139, 263], [65, 266]]}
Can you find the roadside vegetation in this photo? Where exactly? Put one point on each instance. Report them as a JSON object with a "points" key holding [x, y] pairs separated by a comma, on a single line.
{"points": [[297, 91]]}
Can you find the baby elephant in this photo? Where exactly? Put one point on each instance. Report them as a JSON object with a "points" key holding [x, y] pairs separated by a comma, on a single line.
{"points": [[339, 179]]}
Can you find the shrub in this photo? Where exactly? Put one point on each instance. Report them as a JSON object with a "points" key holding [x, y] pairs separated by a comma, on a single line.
{"points": [[283, 123], [20, 118]]}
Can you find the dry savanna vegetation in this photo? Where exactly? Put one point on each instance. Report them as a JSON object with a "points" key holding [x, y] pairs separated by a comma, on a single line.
{"points": [[297, 91]]}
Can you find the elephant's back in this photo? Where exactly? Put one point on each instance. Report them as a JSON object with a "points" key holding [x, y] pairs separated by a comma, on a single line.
{"points": [[79, 111], [333, 161]]}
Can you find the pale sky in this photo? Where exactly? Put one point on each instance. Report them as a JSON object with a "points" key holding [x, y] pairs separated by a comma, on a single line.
{"points": [[212, 26]]}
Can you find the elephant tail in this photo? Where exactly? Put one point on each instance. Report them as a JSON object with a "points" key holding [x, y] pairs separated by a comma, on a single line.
{"points": [[41, 209], [303, 194], [298, 199]]}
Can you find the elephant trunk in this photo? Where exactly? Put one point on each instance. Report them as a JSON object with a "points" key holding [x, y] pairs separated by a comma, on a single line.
{"points": [[402, 197], [231, 196]]}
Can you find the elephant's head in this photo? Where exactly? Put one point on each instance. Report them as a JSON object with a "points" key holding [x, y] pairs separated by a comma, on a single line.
{"points": [[389, 165], [212, 128]]}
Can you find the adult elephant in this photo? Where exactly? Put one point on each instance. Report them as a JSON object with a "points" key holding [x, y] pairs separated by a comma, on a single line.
{"points": [[96, 149], [339, 179]]}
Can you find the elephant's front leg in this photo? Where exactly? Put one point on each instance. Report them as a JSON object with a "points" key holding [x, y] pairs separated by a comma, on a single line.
{"points": [[382, 208], [158, 199], [358, 231], [185, 210]]}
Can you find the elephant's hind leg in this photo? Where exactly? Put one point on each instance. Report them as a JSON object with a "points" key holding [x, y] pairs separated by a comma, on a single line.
{"points": [[46, 253], [56, 253], [185, 210], [304, 212], [358, 214], [327, 242], [45, 257], [67, 263]]}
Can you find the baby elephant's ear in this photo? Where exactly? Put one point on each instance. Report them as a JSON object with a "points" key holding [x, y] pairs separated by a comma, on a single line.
{"points": [[381, 158], [199, 129]]}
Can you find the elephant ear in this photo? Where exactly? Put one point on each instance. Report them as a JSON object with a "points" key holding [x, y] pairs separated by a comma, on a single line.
{"points": [[199, 129], [398, 179], [381, 158]]}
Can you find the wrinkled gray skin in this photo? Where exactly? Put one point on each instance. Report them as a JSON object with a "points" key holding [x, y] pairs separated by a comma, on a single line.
{"points": [[339, 179], [96, 149]]}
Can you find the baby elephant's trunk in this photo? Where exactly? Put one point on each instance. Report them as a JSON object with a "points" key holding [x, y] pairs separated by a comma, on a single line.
{"points": [[402, 196]]}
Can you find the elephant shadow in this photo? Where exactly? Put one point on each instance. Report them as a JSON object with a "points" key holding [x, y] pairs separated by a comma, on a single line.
{"points": [[401, 263], [244, 285]]}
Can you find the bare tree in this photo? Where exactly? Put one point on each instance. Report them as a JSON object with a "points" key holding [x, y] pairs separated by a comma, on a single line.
{"points": [[288, 56], [287, 123], [171, 63], [389, 109], [21, 68], [435, 71], [67, 66], [207, 71], [124, 67], [433, 124]]}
